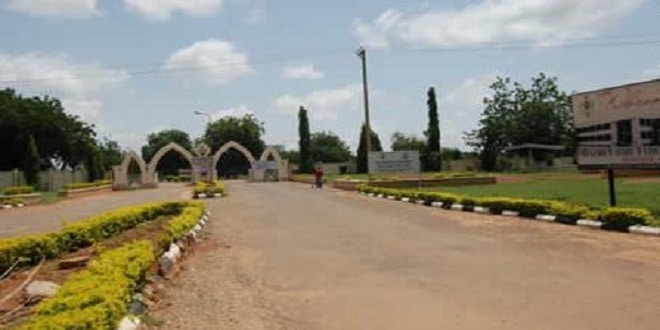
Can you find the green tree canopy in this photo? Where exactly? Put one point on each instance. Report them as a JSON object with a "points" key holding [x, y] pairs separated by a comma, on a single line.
{"points": [[432, 155], [516, 115], [246, 130], [402, 142], [172, 161], [362, 164], [304, 142], [327, 147]]}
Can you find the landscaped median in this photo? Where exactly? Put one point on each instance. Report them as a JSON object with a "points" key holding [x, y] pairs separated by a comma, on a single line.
{"points": [[81, 303], [17, 196], [213, 189], [86, 187], [635, 220]]}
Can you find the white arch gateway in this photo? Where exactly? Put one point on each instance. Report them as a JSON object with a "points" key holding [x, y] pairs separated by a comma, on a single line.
{"points": [[203, 166]]}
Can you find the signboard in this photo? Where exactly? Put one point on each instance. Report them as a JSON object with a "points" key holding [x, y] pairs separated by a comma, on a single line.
{"points": [[618, 127], [264, 165], [394, 162], [202, 168]]}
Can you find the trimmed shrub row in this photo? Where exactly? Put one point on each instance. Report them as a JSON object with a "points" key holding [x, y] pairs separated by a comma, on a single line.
{"points": [[13, 201], [83, 185], [614, 218], [209, 188], [18, 190], [97, 297], [31, 249]]}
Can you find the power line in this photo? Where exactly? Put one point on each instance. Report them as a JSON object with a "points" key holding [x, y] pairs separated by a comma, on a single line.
{"points": [[280, 58]]}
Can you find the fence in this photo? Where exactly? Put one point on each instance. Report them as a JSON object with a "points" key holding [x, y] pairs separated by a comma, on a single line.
{"points": [[51, 180]]}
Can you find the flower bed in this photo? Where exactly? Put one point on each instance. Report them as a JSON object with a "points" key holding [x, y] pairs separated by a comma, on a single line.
{"points": [[31, 249], [18, 190], [85, 185], [615, 218], [208, 189], [81, 303]]}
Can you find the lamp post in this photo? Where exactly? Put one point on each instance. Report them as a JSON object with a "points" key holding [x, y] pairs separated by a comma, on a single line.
{"points": [[362, 54]]}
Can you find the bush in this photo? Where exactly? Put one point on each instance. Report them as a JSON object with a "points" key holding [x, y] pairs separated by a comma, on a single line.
{"points": [[209, 188], [18, 190], [619, 218], [83, 185], [13, 201], [83, 303], [32, 248]]}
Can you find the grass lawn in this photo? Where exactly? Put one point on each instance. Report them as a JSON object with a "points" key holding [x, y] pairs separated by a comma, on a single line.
{"points": [[570, 187]]}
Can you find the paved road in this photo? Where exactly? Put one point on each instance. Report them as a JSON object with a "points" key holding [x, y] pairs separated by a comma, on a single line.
{"points": [[49, 217], [284, 256]]}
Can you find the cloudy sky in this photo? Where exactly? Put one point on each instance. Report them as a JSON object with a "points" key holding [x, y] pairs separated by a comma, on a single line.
{"points": [[136, 66]]}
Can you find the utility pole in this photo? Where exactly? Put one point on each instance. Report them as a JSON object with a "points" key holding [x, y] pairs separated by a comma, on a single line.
{"points": [[362, 53]]}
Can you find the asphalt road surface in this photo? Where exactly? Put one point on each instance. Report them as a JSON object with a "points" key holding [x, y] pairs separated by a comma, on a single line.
{"points": [[285, 256], [50, 217]]}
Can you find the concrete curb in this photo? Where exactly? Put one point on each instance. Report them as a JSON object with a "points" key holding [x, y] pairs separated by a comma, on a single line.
{"points": [[204, 196], [168, 259], [586, 223]]}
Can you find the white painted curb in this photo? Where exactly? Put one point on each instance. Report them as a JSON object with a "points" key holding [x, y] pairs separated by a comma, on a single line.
{"points": [[420, 202], [381, 196], [405, 199], [546, 217], [217, 195], [508, 213], [589, 223], [436, 204], [392, 198], [481, 209], [129, 323], [201, 195], [457, 207], [644, 230]]}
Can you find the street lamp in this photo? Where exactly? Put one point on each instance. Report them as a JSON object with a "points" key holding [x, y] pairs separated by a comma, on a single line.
{"points": [[208, 116], [362, 54]]}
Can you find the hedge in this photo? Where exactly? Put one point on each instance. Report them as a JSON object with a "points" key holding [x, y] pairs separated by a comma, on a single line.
{"points": [[18, 190], [13, 201], [83, 185], [31, 249], [97, 297], [82, 304], [615, 218], [209, 188]]}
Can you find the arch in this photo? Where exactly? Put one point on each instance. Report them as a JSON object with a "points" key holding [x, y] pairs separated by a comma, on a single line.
{"points": [[229, 145], [162, 151], [270, 150], [132, 155]]}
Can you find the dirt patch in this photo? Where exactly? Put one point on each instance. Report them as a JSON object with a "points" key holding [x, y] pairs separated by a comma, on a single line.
{"points": [[17, 309], [511, 179]]}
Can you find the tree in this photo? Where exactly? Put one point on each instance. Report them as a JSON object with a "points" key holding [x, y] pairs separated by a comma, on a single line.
{"points": [[31, 162], [304, 141], [111, 153], [172, 161], [402, 142], [327, 147], [432, 133], [246, 130], [362, 163], [516, 115]]}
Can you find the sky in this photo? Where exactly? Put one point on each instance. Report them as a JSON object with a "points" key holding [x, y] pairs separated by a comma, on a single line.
{"points": [[132, 67]]}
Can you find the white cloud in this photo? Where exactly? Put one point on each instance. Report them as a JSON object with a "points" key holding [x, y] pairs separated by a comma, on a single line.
{"points": [[255, 15], [211, 61], [542, 22], [322, 104], [305, 71], [74, 9], [77, 85], [162, 10], [460, 108]]}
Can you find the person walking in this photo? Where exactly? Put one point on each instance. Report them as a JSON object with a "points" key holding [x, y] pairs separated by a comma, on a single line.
{"points": [[318, 175]]}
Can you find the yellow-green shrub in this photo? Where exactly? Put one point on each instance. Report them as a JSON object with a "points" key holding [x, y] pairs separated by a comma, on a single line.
{"points": [[180, 225], [18, 190], [99, 183], [32, 248], [209, 188], [97, 297], [620, 218]]}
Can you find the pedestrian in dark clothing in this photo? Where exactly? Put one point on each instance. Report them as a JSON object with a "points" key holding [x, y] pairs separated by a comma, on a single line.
{"points": [[318, 175]]}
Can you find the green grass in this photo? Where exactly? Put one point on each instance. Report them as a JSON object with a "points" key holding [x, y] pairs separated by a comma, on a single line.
{"points": [[569, 187], [49, 197]]}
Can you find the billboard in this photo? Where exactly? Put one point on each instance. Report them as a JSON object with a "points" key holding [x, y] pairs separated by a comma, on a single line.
{"points": [[618, 127], [394, 162]]}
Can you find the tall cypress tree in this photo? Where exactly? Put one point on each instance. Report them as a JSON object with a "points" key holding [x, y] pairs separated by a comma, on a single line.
{"points": [[31, 162], [362, 163], [304, 141], [432, 159]]}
